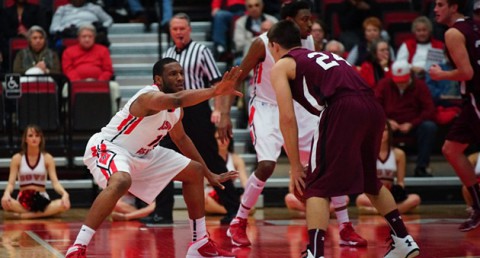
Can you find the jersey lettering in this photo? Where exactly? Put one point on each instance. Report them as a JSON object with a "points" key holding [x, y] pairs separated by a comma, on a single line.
{"points": [[325, 61]]}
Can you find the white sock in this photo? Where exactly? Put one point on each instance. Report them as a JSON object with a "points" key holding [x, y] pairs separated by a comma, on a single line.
{"points": [[84, 236], [340, 205], [198, 228], [253, 189]]}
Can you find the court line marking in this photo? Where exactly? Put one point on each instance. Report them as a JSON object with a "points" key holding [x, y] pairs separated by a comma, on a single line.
{"points": [[44, 244]]}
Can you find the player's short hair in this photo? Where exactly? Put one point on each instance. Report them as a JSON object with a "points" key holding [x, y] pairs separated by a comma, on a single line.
{"points": [[460, 4], [286, 34], [291, 9], [160, 64]]}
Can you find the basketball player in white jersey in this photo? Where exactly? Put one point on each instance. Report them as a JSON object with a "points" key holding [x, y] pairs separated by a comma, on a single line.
{"points": [[126, 157], [265, 129]]}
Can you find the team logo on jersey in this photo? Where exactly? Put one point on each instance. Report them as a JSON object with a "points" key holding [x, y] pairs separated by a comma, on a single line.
{"points": [[166, 126]]}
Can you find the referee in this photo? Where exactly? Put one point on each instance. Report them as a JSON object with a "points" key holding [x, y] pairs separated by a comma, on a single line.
{"points": [[201, 71]]}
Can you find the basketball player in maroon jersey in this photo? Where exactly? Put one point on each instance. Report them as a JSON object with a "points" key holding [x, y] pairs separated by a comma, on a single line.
{"points": [[463, 46], [350, 129]]}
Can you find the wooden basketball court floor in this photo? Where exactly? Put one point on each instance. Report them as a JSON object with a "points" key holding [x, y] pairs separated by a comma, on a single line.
{"points": [[275, 232]]}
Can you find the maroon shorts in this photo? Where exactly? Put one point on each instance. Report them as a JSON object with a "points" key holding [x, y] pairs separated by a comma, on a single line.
{"points": [[466, 128], [346, 148]]}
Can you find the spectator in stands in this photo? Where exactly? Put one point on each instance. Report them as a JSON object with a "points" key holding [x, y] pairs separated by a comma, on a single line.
{"points": [[410, 110], [319, 35], [353, 14], [31, 167], [14, 22], [18, 18], [249, 26], [377, 64], [223, 15], [336, 47], [234, 163], [415, 50], [90, 61], [130, 207], [141, 15], [372, 29], [475, 161], [37, 58], [67, 19], [201, 71], [391, 164]]}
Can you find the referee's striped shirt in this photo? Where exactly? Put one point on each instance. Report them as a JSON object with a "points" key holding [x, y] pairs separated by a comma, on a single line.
{"points": [[199, 67]]}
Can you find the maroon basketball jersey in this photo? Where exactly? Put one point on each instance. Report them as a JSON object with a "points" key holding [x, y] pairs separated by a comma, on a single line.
{"points": [[321, 77], [471, 31]]}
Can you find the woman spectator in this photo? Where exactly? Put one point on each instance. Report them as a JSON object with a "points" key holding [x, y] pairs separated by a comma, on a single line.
{"points": [[391, 165], [377, 64], [372, 30], [415, 50], [37, 58], [319, 35], [32, 165]]}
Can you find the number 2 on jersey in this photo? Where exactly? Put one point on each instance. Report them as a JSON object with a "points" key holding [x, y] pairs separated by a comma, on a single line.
{"points": [[325, 61]]}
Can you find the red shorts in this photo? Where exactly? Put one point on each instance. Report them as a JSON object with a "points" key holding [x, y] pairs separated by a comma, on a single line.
{"points": [[466, 128], [346, 148]]}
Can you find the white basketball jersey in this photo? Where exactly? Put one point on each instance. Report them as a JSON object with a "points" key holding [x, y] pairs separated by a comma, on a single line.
{"points": [[32, 174], [139, 135], [387, 170], [262, 87]]}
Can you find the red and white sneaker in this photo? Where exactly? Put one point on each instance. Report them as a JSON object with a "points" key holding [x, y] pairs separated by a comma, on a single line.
{"points": [[205, 247], [76, 251], [348, 236], [238, 232]]}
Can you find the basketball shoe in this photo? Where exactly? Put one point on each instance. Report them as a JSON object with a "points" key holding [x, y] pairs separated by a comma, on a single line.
{"points": [[76, 251], [472, 222], [402, 248], [308, 254], [348, 236], [238, 232], [205, 247]]}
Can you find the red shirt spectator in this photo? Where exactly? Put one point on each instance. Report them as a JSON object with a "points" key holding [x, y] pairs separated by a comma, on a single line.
{"points": [[87, 60]]}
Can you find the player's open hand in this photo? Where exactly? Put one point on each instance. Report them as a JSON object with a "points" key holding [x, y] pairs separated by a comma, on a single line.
{"points": [[228, 83], [297, 175], [217, 180]]}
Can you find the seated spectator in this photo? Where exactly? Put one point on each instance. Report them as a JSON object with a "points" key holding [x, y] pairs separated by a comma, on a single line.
{"points": [[31, 167], [336, 47], [415, 50], [223, 14], [391, 164], [14, 22], [130, 207], [67, 19], [410, 110], [372, 29], [377, 64], [37, 58], [319, 35], [234, 162], [353, 14], [475, 161], [18, 18], [90, 61], [249, 26], [145, 14]]}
